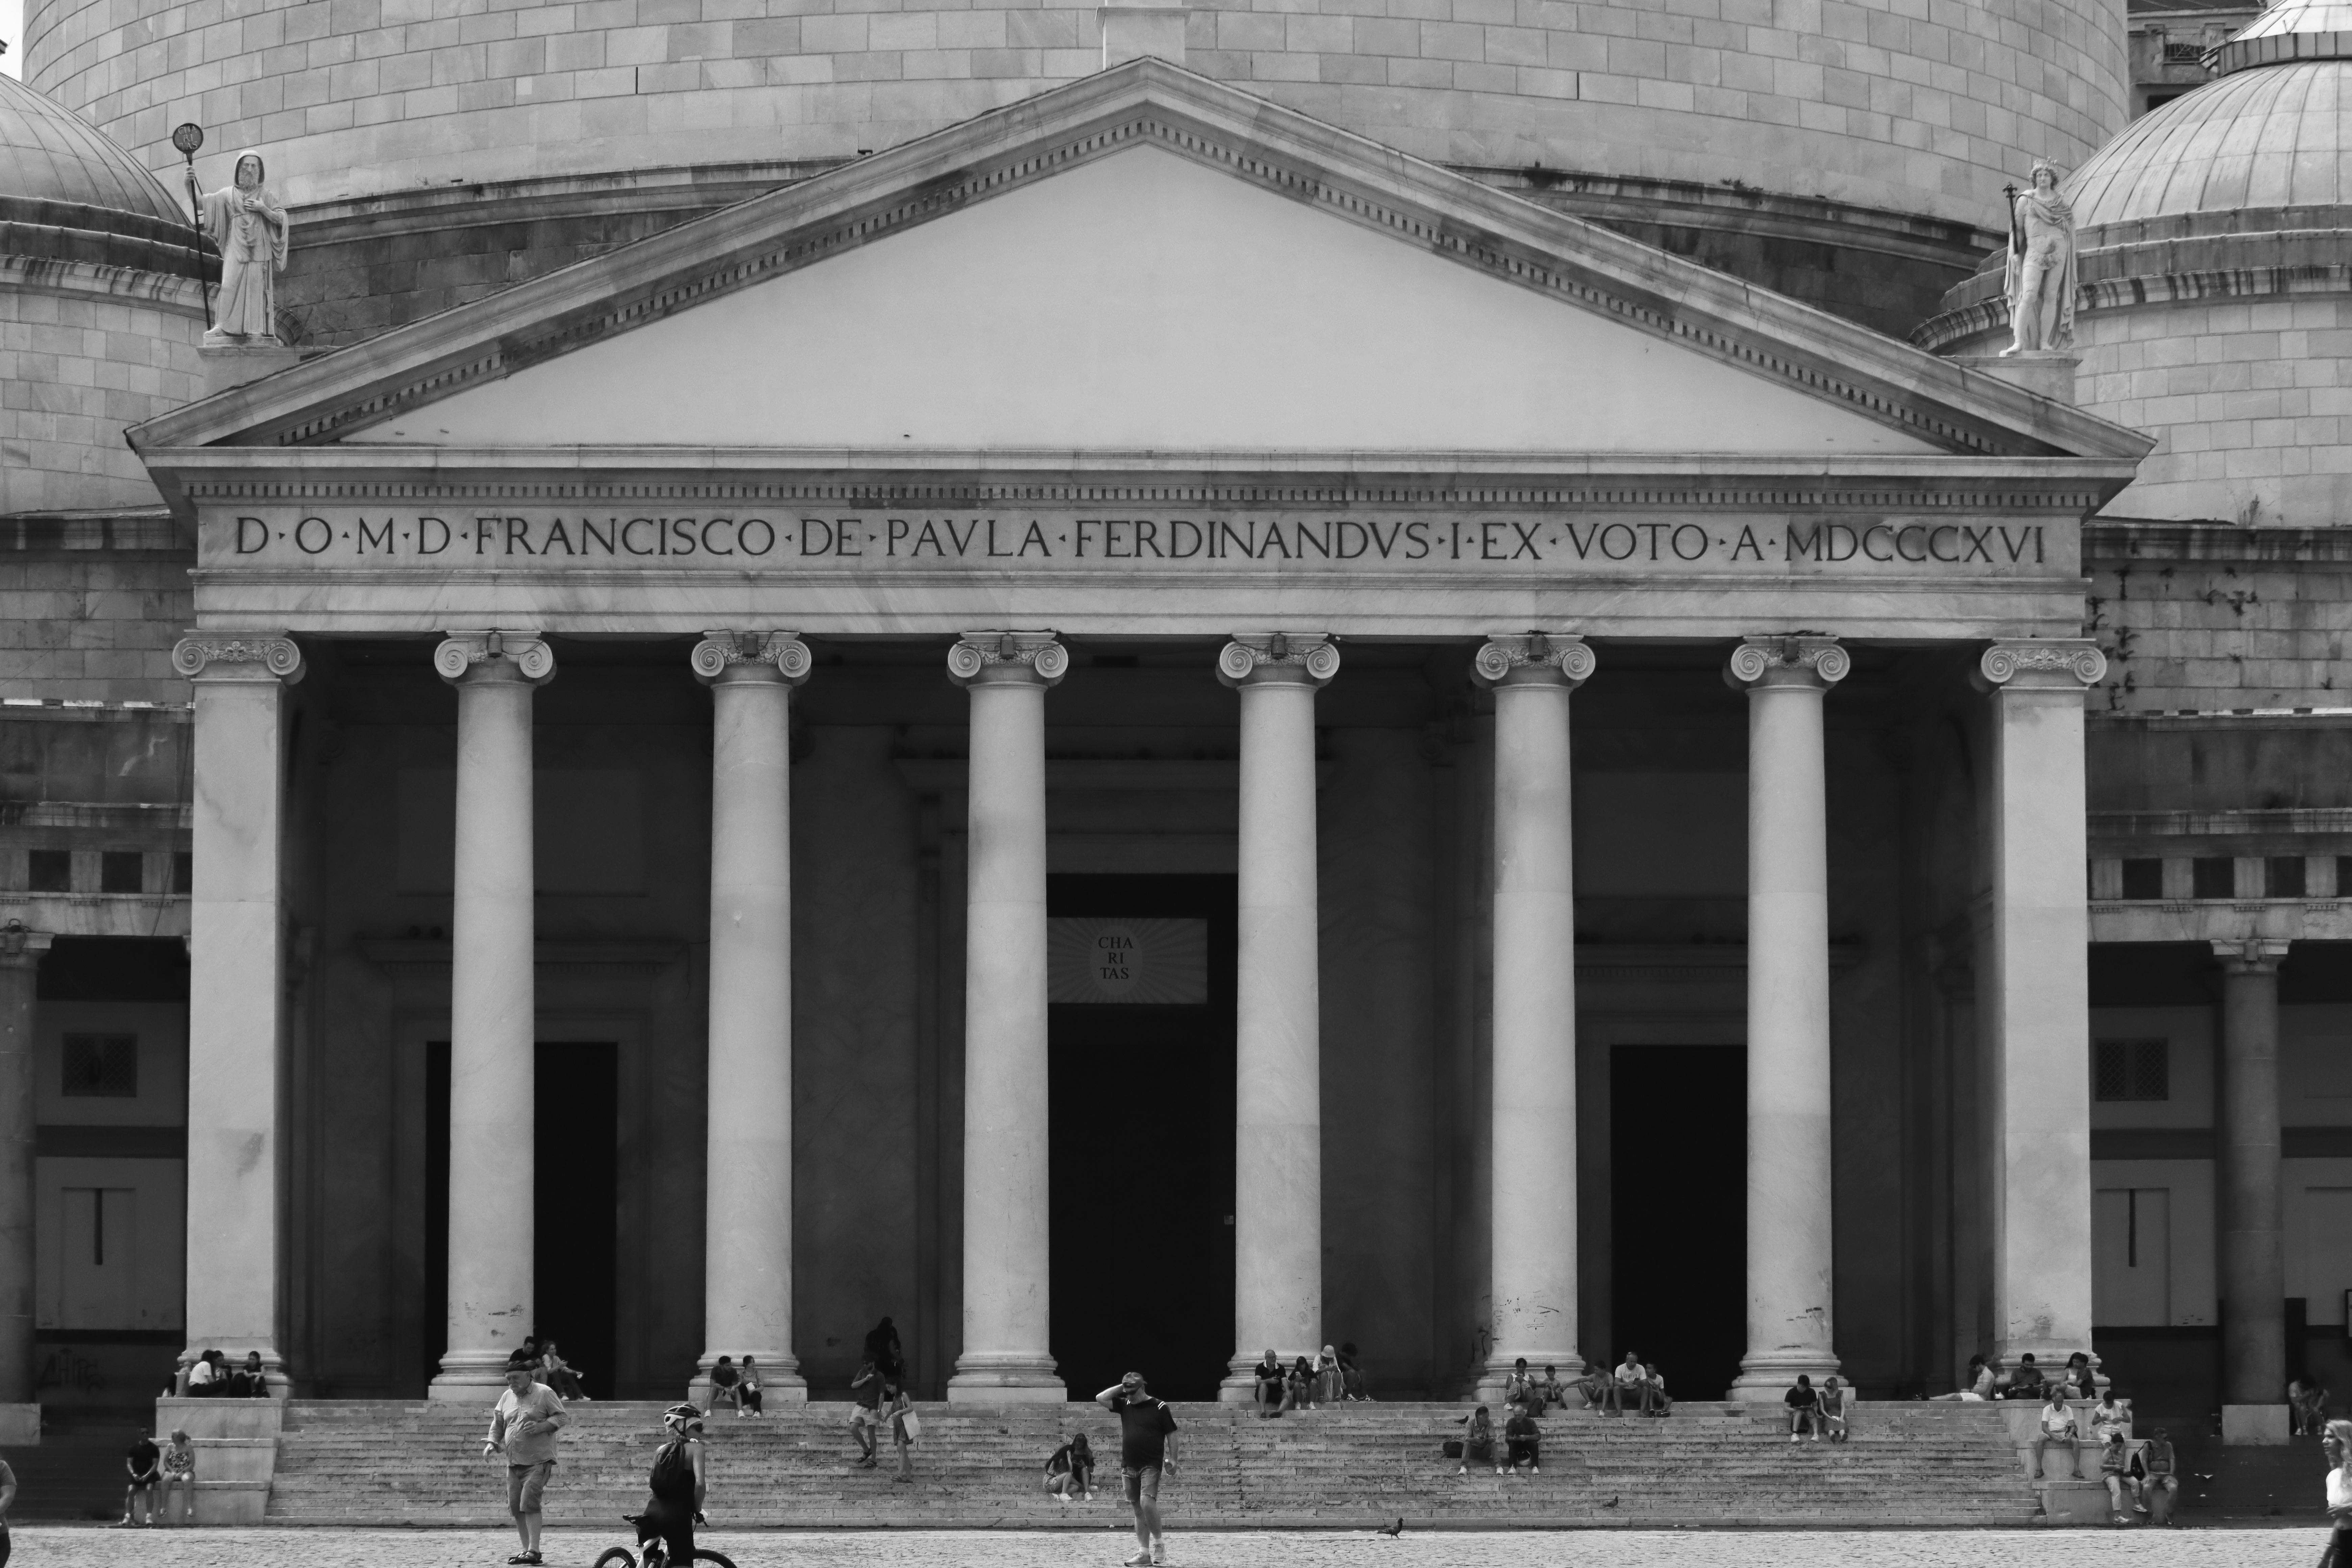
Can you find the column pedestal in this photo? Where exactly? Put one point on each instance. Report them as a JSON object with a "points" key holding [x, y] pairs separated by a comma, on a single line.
{"points": [[748, 1228], [1533, 1222], [2034, 1012], [20, 962], [1007, 1311], [237, 993], [2253, 1262], [1278, 1118], [493, 1010], [1790, 1329]]}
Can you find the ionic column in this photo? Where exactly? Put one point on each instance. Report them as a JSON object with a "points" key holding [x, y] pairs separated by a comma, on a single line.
{"points": [[1278, 1124], [236, 992], [20, 962], [1789, 1237], [747, 1229], [2035, 998], [1006, 1300], [2253, 1265], [1533, 1214], [493, 1004]]}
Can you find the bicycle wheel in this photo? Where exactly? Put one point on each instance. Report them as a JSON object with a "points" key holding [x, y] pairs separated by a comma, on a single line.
{"points": [[616, 1557], [721, 1558]]}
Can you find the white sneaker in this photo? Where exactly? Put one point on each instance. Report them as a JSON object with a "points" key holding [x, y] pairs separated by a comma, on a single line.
{"points": [[1158, 1553], [1141, 1560]]}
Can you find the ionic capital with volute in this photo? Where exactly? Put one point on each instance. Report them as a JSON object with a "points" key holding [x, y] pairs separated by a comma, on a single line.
{"points": [[2251, 956], [494, 656], [212, 656], [1008, 658], [2048, 664], [1818, 662], [731, 655], [1277, 659], [1534, 659]]}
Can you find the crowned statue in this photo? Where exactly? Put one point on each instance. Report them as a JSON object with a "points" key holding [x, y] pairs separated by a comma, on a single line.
{"points": [[2041, 267], [248, 226]]}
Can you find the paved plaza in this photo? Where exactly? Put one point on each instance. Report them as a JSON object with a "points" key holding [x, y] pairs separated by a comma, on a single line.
{"points": [[70, 1547]]}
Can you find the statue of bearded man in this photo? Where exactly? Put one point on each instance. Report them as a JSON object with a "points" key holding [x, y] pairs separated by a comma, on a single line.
{"points": [[249, 227], [2041, 271]]}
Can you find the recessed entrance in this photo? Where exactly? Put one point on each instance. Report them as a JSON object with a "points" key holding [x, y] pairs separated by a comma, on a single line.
{"points": [[575, 1195], [1142, 1140], [1678, 1211]]}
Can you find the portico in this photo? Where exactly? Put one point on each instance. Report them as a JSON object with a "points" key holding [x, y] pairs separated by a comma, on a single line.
{"points": [[1634, 466]]}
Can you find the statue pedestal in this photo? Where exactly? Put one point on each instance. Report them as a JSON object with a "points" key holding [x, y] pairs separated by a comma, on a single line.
{"points": [[234, 364], [2046, 372]]}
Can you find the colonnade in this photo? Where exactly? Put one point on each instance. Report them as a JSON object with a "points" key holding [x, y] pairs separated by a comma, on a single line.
{"points": [[2036, 1008]]}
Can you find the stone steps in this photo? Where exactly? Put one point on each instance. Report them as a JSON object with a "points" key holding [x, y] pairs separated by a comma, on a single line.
{"points": [[390, 1463]]}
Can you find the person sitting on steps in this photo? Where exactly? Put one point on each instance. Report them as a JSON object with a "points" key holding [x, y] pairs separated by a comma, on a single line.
{"points": [[1804, 1403], [1519, 1388], [1625, 1384], [747, 1390], [2306, 1406], [2058, 1429], [1268, 1386], [724, 1380], [1653, 1391], [1594, 1384], [2024, 1381], [1070, 1473], [2115, 1468], [1477, 1441], [2160, 1485], [1523, 1441]]}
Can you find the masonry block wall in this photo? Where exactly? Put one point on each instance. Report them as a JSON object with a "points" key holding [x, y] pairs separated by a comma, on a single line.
{"points": [[77, 363], [1888, 103], [2212, 617]]}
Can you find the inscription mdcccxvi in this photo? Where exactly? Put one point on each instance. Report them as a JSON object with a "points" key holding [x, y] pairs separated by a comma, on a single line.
{"points": [[884, 539]]}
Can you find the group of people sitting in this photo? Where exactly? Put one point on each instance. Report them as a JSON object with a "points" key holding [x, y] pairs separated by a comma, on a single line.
{"points": [[2140, 1474], [735, 1385], [209, 1376], [1633, 1383], [1331, 1377], [1821, 1410], [2026, 1380], [549, 1367]]}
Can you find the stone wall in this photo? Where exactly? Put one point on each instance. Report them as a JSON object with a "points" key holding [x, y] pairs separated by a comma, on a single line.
{"points": [[89, 607], [1873, 102]]}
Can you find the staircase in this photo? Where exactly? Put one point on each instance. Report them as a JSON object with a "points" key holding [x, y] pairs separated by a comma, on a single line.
{"points": [[366, 1463]]}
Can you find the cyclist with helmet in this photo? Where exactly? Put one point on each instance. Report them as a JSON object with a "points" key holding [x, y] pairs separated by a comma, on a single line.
{"points": [[678, 1485]]}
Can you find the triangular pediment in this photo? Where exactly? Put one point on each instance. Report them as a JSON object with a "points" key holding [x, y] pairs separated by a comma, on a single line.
{"points": [[1142, 260]]}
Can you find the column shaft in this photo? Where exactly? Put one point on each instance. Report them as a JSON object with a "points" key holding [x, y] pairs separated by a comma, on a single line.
{"points": [[1278, 1117], [2036, 1015], [1790, 1329], [1007, 1318], [493, 1021], [2253, 1265], [748, 1234], [236, 995], [20, 961], [1534, 1222]]}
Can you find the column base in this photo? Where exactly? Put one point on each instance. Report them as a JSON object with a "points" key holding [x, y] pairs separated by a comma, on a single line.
{"points": [[1005, 1378], [465, 1374], [2254, 1426], [780, 1379], [1764, 1379]]}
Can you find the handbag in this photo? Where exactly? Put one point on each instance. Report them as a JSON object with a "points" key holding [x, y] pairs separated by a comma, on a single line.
{"points": [[912, 1425], [1451, 1448]]}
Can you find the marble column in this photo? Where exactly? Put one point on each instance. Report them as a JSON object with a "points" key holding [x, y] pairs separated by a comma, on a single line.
{"points": [[1790, 1317], [1533, 1156], [1278, 1124], [493, 1007], [748, 1164], [2033, 1018], [20, 962], [237, 993], [1007, 1307], [2253, 1265]]}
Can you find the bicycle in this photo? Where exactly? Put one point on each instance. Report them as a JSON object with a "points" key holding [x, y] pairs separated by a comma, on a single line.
{"points": [[656, 1555]]}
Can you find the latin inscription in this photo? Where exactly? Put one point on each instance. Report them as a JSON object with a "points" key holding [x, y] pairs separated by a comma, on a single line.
{"points": [[882, 541]]}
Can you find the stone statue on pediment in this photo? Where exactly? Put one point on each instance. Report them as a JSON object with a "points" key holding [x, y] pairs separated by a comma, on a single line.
{"points": [[246, 221], [2041, 275]]}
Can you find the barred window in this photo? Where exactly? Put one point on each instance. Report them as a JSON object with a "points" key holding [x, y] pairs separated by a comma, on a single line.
{"points": [[101, 1067], [2132, 1069]]}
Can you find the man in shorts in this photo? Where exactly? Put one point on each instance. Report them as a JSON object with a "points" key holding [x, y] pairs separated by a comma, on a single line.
{"points": [[145, 1464], [523, 1426], [1146, 1449], [1804, 1403], [866, 1414]]}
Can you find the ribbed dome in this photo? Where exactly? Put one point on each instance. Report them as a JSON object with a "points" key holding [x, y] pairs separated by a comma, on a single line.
{"points": [[68, 194], [2273, 137]]}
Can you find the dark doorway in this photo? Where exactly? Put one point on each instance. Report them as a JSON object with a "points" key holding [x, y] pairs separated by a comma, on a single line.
{"points": [[1678, 1211], [1141, 1101], [575, 1195]]}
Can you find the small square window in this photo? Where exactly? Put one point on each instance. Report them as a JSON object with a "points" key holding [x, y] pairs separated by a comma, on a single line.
{"points": [[2132, 1069], [51, 870], [2283, 877], [120, 871], [183, 873], [2214, 877], [2143, 879], [101, 1067]]}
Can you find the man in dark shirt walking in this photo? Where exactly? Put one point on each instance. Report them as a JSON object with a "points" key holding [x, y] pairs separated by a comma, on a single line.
{"points": [[1146, 1449]]}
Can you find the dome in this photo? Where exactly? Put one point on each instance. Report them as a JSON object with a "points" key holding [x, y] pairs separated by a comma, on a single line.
{"points": [[68, 194]]}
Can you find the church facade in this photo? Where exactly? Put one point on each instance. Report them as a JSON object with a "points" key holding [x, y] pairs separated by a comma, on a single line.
{"points": [[1135, 728]]}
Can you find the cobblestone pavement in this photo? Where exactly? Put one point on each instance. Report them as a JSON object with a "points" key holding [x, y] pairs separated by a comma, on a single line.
{"points": [[71, 1547]]}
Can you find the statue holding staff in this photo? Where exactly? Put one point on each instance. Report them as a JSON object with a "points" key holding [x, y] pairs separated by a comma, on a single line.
{"points": [[2041, 266], [249, 227]]}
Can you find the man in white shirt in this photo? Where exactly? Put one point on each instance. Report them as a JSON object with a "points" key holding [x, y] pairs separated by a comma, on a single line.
{"points": [[524, 1426], [2058, 1430], [1625, 1384]]}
